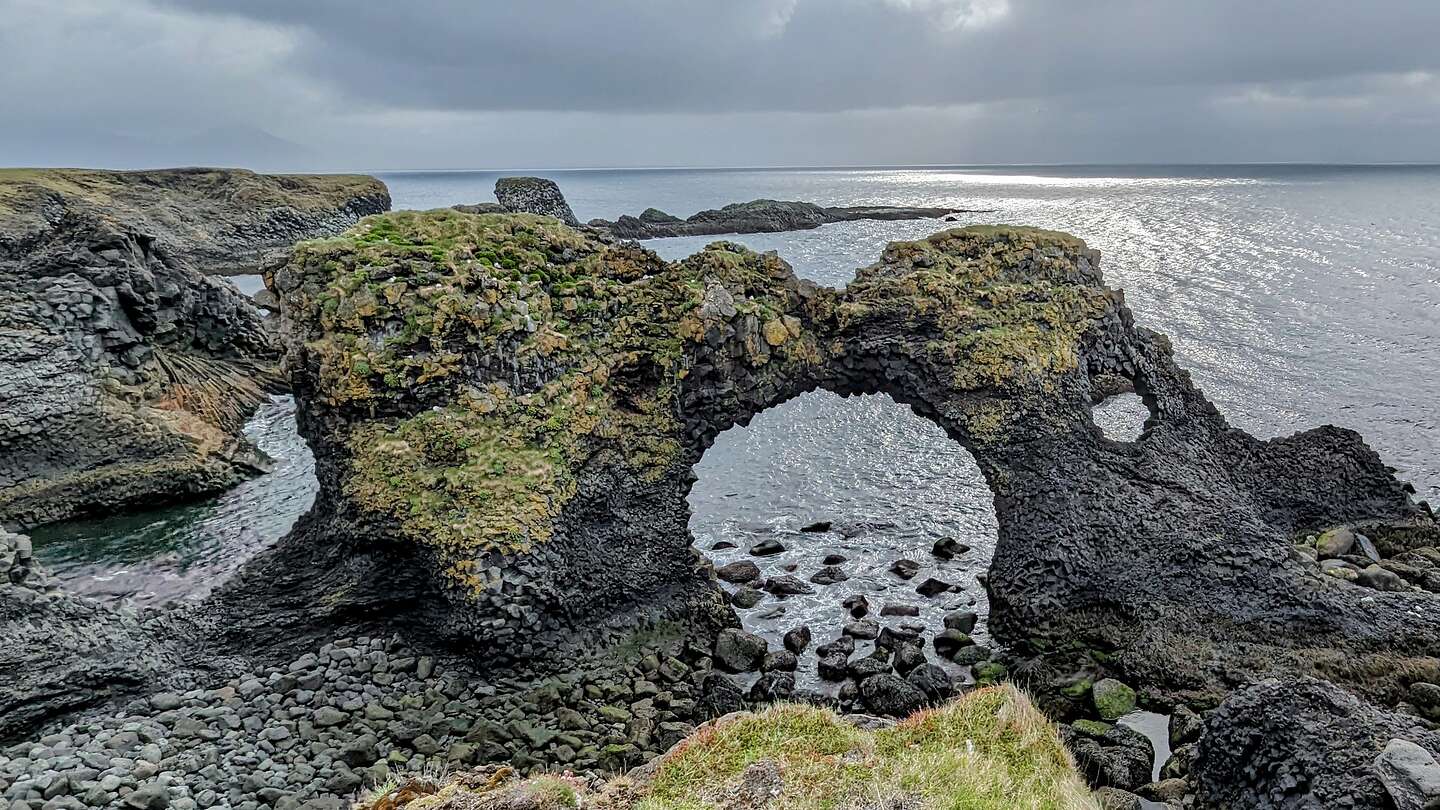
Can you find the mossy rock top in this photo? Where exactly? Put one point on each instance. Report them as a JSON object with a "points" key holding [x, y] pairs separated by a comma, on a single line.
{"points": [[480, 360]]}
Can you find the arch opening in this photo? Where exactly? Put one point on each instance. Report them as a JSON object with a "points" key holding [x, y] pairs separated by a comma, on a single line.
{"points": [[838, 496], [1123, 417]]}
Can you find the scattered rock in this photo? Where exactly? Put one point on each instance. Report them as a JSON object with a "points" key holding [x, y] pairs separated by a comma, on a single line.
{"points": [[933, 587], [1335, 542], [866, 629], [890, 695], [829, 575], [1410, 775], [786, 585], [962, 620], [739, 571], [746, 598], [738, 651], [948, 548], [857, 605], [905, 569], [768, 547], [900, 610], [797, 639], [817, 527]]}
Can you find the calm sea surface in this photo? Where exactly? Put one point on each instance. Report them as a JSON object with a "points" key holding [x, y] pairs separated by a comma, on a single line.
{"points": [[1297, 295]]}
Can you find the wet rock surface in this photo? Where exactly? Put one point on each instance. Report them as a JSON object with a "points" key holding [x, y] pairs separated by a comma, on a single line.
{"points": [[127, 372]]}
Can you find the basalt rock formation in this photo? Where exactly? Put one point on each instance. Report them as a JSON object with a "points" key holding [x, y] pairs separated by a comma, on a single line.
{"points": [[1305, 743], [534, 195], [506, 413], [758, 216], [220, 221], [127, 372]]}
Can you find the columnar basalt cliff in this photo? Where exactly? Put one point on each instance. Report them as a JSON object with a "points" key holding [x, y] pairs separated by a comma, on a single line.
{"points": [[511, 410], [126, 372]]}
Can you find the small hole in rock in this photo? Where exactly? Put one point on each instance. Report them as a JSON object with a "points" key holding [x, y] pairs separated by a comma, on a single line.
{"points": [[1121, 417]]}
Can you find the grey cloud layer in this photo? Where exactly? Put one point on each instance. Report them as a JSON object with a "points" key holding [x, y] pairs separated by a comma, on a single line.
{"points": [[828, 55], [503, 83]]}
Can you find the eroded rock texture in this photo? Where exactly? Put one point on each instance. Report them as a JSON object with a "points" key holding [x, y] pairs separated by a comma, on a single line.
{"points": [[1303, 743], [505, 414], [126, 372]]}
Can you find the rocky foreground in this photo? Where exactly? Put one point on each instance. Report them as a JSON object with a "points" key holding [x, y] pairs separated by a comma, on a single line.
{"points": [[126, 369]]}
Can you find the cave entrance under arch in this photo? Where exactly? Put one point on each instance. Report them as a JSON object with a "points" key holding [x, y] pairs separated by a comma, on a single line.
{"points": [[889, 483]]}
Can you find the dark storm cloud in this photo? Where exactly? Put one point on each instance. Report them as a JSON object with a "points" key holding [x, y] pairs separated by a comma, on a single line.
{"points": [[827, 55], [549, 83]]}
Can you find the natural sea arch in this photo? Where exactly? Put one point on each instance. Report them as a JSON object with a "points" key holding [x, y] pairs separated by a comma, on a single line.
{"points": [[881, 483], [507, 413]]}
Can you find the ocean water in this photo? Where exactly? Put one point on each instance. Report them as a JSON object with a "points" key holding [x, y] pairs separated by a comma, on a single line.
{"points": [[1297, 296]]}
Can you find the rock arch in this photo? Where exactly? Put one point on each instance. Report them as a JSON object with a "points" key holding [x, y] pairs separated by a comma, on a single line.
{"points": [[506, 412]]}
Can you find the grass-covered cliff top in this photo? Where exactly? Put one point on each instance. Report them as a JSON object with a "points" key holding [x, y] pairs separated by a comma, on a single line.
{"points": [[128, 190], [483, 359], [223, 220], [514, 347], [988, 749]]}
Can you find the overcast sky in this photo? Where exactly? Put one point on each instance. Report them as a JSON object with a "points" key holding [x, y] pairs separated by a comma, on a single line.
{"points": [[354, 84]]}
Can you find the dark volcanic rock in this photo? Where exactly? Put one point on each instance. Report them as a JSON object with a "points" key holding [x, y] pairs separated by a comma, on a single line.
{"points": [[891, 695], [797, 640], [565, 396], [738, 572], [534, 195], [127, 372], [757, 216], [1298, 743], [905, 569], [62, 652], [817, 526], [739, 651]]}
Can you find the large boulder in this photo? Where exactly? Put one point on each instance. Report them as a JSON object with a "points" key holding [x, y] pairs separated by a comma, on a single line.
{"points": [[1307, 743], [127, 372]]}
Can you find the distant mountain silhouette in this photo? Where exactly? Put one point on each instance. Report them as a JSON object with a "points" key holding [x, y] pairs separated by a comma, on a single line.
{"points": [[225, 146]]}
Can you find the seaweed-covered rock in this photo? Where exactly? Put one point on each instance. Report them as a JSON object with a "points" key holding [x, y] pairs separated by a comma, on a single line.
{"points": [[506, 414], [1301, 743], [126, 372]]}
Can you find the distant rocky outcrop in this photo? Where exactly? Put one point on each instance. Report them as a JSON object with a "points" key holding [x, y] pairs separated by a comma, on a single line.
{"points": [[537, 195], [758, 216], [126, 370], [534, 195]]}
